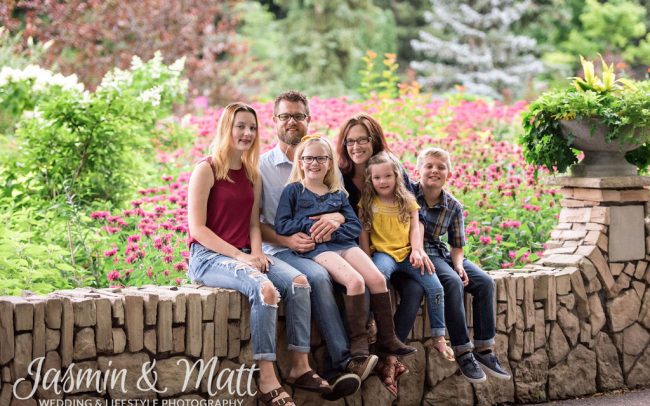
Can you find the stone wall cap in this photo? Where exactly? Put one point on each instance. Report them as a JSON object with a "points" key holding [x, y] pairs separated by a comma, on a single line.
{"points": [[614, 182]]}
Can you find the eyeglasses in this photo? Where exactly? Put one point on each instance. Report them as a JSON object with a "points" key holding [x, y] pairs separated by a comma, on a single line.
{"points": [[358, 141], [307, 159], [287, 116]]}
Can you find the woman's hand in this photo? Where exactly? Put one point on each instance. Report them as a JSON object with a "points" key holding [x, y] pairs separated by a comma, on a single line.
{"points": [[420, 259], [324, 226]]}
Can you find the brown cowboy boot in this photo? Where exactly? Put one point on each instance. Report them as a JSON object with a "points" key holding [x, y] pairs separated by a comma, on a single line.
{"points": [[357, 315], [386, 338]]}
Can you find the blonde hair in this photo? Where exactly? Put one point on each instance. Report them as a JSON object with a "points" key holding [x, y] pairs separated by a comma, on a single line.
{"points": [[402, 195], [434, 152], [332, 177], [221, 147]]}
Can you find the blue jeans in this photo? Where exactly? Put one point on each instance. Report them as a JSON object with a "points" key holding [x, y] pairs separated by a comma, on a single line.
{"points": [[432, 288], [410, 300], [326, 312], [481, 287], [212, 269]]}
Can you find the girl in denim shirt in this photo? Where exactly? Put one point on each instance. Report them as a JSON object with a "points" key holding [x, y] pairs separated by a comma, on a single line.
{"points": [[315, 188]]}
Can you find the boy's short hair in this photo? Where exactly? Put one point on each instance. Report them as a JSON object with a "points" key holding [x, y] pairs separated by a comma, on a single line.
{"points": [[434, 152]]}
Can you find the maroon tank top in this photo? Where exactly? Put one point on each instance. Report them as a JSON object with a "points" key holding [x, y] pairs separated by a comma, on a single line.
{"points": [[229, 208]]}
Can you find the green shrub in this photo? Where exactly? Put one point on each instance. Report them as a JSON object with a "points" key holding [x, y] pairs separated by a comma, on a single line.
{"points": [[94, 146]]}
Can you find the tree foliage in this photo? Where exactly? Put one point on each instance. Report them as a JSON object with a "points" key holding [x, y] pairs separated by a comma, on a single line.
{"points": [[316, 45], [91, 36], [616, 28], [471, 43]]}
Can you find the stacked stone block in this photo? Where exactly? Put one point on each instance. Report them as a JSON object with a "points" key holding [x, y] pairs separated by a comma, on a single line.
{"points": [[574, 323]]}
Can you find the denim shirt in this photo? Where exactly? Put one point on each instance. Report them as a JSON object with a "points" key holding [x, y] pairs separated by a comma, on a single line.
{"points": [[298, 203]]}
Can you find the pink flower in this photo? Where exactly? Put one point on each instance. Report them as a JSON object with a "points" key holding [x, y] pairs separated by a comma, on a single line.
{"points": [[133, 238], [498, 238], [485, 240], [507, 265], [113, 275], [99, 215], [512, 254], [110, 253]]}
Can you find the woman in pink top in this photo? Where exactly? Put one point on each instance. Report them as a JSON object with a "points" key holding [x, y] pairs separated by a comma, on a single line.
{"points": [[226, 252]]}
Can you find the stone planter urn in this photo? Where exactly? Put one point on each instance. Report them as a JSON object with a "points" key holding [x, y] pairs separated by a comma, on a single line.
{"points": [[602, 158]]}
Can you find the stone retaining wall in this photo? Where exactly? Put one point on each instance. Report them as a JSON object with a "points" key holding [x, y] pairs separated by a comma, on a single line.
{"points": [[574, 323]]}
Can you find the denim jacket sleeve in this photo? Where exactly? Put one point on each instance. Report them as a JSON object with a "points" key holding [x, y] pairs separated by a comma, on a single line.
{"points": [[286, 221], [351, 229]]}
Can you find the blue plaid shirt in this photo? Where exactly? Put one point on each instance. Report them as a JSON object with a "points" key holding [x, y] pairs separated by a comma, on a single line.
{"points": [[446, 217]]}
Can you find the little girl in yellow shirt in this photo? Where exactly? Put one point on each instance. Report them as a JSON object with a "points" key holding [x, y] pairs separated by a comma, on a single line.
{"points": [[391, 235]]}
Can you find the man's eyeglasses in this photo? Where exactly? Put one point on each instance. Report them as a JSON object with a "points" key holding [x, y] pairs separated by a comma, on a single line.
{"points": [[287, 116], [307, 159], [359, 141]]}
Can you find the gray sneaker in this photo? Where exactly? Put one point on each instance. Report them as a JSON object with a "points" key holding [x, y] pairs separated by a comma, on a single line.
{"points": [[490, 364], [470, 368], [362, 366]]}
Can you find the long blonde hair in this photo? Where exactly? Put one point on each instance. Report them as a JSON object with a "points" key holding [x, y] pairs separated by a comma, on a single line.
{"points": [[403, 196], [221, 147], [332, 178]]}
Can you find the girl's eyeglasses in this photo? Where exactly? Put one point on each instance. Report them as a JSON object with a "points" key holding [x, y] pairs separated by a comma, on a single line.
{"points": [[307, 159]]}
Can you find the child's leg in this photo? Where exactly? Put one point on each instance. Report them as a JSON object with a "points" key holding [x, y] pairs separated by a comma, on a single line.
{"points": [[379, 302], [363, 265], [342, 272], [435, 306], [356, 309]]}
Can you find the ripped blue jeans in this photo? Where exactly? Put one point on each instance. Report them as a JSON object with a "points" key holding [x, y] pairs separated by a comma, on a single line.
{"points": [[212, 269], [432, 288]]}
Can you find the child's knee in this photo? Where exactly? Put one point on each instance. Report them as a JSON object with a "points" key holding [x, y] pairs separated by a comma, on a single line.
{"points": [[355, 284], [377, 283]]}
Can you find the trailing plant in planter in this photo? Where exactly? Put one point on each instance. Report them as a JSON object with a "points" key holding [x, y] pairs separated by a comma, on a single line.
{"points": [[620, 107]]}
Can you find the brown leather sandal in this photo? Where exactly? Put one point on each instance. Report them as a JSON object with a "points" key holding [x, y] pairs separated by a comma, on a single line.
{"points": [[267, 398], [400, 369], [310, 381], [386, 372]]}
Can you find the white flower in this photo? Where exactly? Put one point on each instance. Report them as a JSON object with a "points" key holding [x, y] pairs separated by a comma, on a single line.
{"points": [[116, 79], [136, 63], [151, 96], [178, 65]]}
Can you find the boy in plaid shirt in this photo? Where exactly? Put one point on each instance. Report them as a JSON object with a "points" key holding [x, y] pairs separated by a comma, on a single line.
{"points": [[441, 213]]}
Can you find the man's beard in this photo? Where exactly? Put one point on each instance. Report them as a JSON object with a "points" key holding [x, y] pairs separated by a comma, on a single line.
{"points": [[291, 140]]}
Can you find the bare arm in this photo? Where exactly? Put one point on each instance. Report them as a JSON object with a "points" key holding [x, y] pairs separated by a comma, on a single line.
{"points": [[457, 260], [255, 231], [364, 242], [419, 259], [415, 233]]}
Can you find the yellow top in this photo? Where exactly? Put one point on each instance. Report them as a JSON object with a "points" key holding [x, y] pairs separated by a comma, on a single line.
{"points": [[388, 234]]}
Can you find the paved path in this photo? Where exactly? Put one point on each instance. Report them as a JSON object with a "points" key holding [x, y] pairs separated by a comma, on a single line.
{"points": [[639, 397]]}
